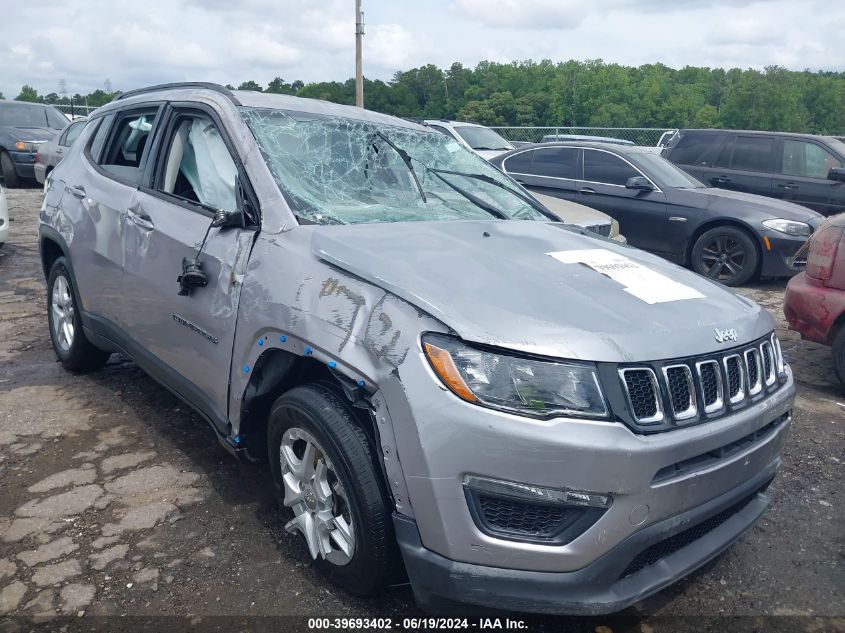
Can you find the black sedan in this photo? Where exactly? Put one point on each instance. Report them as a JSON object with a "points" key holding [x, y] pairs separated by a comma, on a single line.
{"points": [[729, 236]]}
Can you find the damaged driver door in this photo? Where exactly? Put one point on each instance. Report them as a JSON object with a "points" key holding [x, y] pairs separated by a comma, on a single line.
{"points": [[184, 329]]}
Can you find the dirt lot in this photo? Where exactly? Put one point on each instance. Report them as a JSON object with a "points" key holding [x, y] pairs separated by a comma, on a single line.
{"points": [[115, 499]]}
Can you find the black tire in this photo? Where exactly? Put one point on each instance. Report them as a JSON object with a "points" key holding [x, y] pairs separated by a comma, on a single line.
{"points": [[726, 254], [7, 170], [839, 355], [330, 421], [79, 354]]}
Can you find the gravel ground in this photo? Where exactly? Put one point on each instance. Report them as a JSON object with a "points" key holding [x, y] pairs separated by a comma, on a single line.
{"points": [[116, 500]]}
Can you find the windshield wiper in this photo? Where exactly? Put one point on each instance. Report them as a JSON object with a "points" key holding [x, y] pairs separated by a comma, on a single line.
{"points": [[470, 196], [490, 180], [407, 160]]}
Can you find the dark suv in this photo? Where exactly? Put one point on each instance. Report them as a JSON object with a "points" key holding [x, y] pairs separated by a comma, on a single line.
{"points": [[800, 168], [23, 128]]}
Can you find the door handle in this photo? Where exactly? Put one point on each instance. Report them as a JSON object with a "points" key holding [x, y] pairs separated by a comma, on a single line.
{"points": [[143, 221], [721, 179], [789, 185], [587, 190], [78, 192], [59, 150]]}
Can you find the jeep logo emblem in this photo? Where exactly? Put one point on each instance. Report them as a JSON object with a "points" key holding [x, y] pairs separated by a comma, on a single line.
{"points": [[726, 335]]}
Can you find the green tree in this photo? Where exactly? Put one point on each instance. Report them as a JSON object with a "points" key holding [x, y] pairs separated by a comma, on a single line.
{"points": [[250, 85], [28, 93]]}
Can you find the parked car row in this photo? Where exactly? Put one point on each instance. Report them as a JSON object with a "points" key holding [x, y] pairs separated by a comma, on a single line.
{"points": [[24, 127], [451, 386]]}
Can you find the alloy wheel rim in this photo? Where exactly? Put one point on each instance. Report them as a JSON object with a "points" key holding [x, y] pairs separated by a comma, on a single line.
{"points": [[317, 498], [61, 305], [723, 258]]}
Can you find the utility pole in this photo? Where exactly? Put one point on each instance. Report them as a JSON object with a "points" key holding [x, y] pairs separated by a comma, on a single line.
{"points": [[359, 73]]}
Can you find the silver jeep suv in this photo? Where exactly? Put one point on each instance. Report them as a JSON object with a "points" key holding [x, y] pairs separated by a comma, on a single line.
{"points": [[448, 384]]}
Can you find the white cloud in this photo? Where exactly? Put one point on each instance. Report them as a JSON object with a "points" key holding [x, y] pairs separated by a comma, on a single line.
{"points": [[537, 14]]}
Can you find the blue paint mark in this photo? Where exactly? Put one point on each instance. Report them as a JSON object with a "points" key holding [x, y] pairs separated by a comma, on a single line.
{"points": [[307, 350], [237, 439], [361, 383], [332, 363], [246, 369], [260, 342], [282, 339]]}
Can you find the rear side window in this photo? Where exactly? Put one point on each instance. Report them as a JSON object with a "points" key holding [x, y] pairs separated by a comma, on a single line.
{"points": [[609, 169], [696, 149], [70, 134], [98, 139], [747, 153], [556, 162], [808, 160], [518, 163]]}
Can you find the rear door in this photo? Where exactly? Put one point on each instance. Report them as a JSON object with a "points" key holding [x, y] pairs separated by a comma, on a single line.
{"points": [[548, 170], [96, 198], [641, 214], [187, 339], [696, 151], [746, 162], [802, 175]]}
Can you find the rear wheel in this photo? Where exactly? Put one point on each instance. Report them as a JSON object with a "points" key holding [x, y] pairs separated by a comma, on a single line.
{"points": [[725, 254], [7, 170], [325, 477], [74, 351]]}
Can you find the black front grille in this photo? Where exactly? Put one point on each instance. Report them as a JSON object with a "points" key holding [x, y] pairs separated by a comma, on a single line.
{"points": [[710, 383], [768, 365], [669, 546], [679, 389], [641, 392], [734, 370], [753, 369], [520, 518]]}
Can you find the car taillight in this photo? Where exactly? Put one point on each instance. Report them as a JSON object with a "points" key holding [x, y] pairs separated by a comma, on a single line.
{"points": [[822, 254]]}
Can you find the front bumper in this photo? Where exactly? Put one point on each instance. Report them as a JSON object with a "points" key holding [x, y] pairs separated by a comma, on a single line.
{"points": [[778, 260], [40, 173], [24, 163], [811, 309], [610, 583]]}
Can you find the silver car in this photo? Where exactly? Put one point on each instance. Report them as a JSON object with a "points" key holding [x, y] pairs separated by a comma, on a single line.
{"points": [[51, 152], [448, 384]]}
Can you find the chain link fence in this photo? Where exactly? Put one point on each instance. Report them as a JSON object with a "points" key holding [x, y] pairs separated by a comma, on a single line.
{"points": [[637, 135], [75, 110]]}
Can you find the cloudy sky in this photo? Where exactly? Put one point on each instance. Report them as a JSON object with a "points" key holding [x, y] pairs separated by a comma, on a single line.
{"points": [[135, 43]]}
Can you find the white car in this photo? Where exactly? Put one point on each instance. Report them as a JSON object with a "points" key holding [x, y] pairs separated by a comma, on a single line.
{"points": [[482, 140], [4, 216]]}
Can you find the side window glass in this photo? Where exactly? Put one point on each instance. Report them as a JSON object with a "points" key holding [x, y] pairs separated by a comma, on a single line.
{"points": [[557, 162], [518, 163], [72, 133], [724, 158], [752, 153], [807, 159], [695, 149], [607, 168], [98, 139], [128, 146], [199, 166]]}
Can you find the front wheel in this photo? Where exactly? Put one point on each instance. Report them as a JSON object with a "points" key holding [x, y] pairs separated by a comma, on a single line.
{"points": [[72, 348], [725, 254], [325, 477]]}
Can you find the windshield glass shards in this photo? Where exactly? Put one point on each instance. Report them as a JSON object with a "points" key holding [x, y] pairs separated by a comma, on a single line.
{"points": [[336, 170]]}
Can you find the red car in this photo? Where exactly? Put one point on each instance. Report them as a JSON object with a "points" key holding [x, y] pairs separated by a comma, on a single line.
{"points": [[815, 299]]}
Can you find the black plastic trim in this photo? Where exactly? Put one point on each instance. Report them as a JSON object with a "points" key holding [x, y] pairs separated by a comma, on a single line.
{"points": [[181, 85]]}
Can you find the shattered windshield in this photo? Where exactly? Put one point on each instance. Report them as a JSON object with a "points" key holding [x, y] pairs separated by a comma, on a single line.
{"points": [[336, 170]]}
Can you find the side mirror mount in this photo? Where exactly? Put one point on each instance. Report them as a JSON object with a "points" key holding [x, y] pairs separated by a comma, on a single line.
{"points": [[640, 183], [837, 174], [227, 219]]}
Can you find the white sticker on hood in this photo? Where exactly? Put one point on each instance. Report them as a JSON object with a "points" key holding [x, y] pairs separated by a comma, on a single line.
{"points": [[640, 281]]}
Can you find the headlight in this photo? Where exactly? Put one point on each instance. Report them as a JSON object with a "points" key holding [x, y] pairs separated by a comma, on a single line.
{"points": [[27, 146], [534, 388], [790, 227]]}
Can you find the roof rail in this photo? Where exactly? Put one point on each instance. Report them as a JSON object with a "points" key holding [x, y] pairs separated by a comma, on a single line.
{"points": [[184, 84]]}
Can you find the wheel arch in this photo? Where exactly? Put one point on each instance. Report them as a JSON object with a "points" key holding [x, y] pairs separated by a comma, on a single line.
{"points": [[51, 246], [716, 222]]}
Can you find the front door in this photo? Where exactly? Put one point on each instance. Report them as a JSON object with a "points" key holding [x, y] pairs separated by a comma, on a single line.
{"points": [[802, 176], [641, 214], [188, 337]]}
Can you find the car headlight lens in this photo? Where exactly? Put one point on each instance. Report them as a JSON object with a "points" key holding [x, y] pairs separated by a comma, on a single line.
{"points": [[790, 227], [529, 387]]}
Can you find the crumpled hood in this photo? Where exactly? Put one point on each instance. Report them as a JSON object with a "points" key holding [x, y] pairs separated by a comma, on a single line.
{"points": [[493, 282], [723, 200]]}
